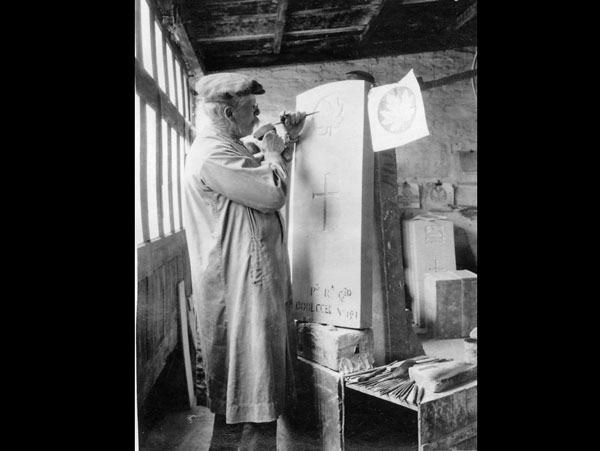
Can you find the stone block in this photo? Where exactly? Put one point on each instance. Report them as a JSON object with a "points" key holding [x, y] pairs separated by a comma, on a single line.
{"points": [[341, 349], [323, 396], [450, 303]]}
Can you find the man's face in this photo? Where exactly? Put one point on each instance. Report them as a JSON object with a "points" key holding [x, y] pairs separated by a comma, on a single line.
{"points": [[246, 115]]}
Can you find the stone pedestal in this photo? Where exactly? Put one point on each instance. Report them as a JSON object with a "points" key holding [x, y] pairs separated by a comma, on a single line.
{"points": [[340, 349], [450, 303], [322, 391]]}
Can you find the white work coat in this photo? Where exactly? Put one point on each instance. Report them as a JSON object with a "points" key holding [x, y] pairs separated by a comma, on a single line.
{"points": [[240, 276]]}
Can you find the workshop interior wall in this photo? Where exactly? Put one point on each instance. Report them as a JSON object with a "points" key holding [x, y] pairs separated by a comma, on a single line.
{"points": [[448, 154]]}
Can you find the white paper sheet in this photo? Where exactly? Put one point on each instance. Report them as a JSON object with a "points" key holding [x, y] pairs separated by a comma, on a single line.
{"points": [[396, 113]]}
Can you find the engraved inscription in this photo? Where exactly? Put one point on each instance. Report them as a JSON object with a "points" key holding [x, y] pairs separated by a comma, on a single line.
{"points": [[434, 234], [321, 297]]}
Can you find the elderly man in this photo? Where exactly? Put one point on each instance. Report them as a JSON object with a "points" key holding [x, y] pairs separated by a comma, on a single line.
{"points": [[239, 261]]}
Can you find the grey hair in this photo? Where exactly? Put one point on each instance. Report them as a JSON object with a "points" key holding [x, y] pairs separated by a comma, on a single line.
{"points": [[215, 111]]}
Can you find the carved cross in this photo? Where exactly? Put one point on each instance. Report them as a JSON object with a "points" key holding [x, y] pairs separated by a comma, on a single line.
{"points": [[325, 194], [435, 268]]}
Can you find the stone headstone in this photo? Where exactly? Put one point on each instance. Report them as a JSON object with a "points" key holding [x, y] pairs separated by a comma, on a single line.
{"points": [[428, 247], [331, 208]]}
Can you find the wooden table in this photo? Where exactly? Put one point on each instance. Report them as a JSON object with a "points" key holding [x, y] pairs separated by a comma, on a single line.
{"points": [[447, 419]]}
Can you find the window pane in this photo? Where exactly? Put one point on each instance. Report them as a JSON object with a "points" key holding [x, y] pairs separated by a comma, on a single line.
{"points": [[179, 88], [146, 38], [188, 114], [170, 74], [165, 179], [175, 178], [182, 154], [160, 60], [139, 238], [151, 171], [184, 109]]}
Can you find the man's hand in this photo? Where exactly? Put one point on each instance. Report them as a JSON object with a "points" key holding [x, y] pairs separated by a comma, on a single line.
{"points": [[272, 145], [293, 123]]}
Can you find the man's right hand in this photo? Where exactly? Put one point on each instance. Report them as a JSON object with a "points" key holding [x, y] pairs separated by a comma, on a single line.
{"points": [[272, 145]]}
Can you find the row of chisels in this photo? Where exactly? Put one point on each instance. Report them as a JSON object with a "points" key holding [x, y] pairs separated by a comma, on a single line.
{"points": [[393, 379]]}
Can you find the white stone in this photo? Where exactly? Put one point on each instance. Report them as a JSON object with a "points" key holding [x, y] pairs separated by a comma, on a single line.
{"points": [[428, 247], [332, 208]]}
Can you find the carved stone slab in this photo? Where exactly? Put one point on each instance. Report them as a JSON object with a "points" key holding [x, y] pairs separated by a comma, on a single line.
{"points": [[408, 195], [438, 197], [428, 247], [331, 208]]}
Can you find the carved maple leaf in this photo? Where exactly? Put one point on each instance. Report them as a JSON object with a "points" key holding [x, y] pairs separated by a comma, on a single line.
{"points": [[331, 115]]}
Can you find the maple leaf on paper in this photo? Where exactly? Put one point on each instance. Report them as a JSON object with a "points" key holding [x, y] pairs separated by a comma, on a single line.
{"points": [[397, 110]]}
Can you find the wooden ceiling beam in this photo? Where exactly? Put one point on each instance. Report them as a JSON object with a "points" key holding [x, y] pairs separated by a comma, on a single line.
{"points": [[415, 2], [291, 34], [171, 20], [374, 20], [220, 63], [469, 13], [279, 25]]}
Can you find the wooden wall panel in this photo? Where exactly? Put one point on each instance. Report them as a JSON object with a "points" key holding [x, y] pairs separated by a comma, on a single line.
{"points": [[157, 315]]}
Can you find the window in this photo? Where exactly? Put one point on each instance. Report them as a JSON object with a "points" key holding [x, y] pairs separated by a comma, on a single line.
{"points": [[139, 236], [166, 180], [146, 38], [162, 125], [160, 58], [180, 89], [175, 178], [151, 174], [171, 75]]}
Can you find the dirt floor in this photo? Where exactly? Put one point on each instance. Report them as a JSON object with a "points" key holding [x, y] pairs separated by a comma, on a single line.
{"points": [[371, 424]]}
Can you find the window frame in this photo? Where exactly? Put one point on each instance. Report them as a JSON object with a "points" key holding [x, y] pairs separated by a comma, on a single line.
{"points": [[179, 121]]}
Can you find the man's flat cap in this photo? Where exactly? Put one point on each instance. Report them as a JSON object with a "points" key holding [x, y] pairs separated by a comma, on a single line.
{"points": [[225, 85]]}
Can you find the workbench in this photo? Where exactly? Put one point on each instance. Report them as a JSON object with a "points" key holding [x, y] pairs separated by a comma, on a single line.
{"points": [[446, 420]]}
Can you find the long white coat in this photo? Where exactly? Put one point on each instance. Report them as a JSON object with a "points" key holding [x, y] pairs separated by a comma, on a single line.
{"points": [[240, 276]]}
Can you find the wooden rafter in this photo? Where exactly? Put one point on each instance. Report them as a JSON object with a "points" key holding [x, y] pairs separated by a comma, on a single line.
{"points": [[469, 13], [425, 85], [230, 34], [291, 34], [279, 25], [374, 20], [171, 20]]}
